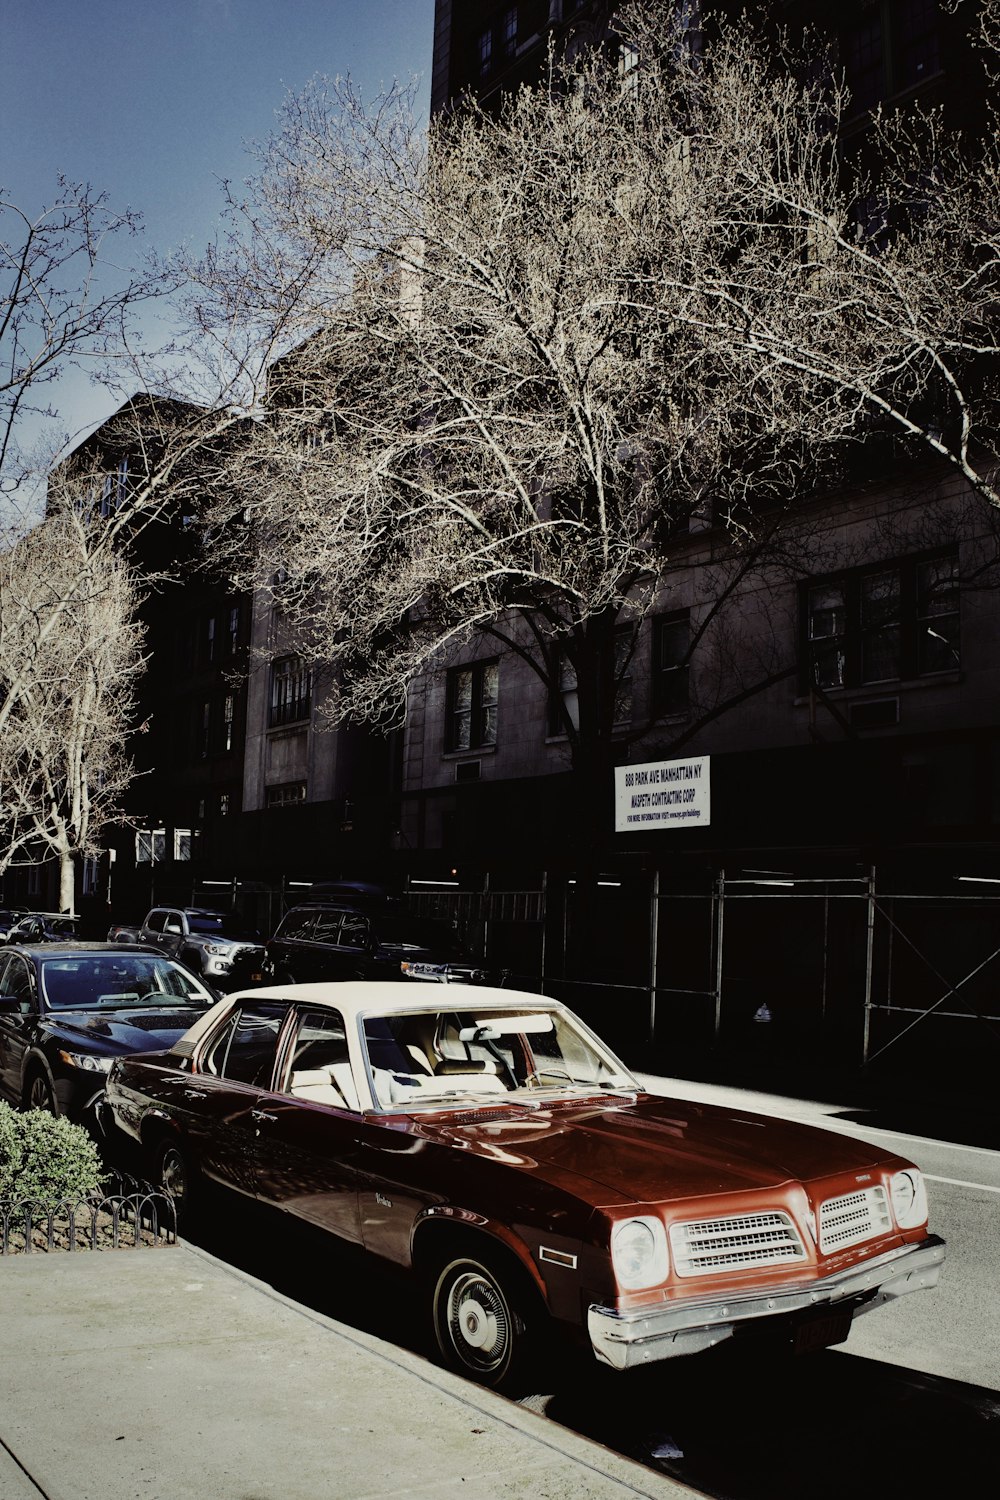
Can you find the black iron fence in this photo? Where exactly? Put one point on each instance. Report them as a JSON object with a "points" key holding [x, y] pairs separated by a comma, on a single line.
{"points": [[124, 1214]]}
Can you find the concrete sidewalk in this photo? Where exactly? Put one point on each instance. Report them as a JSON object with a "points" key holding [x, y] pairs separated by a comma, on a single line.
{"points": [[165, 1374]]}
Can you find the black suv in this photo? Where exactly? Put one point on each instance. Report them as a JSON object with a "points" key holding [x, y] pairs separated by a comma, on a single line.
{"points": [[338, 940]]}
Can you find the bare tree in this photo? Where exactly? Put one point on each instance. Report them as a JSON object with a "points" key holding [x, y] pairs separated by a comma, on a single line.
{"points": [[537, 347], [65, 303], [503, 411], [70, 655]]}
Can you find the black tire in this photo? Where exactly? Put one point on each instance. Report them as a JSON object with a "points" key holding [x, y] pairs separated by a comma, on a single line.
{"points": [[174, 1173], [39, 1093], [481, 1322]]}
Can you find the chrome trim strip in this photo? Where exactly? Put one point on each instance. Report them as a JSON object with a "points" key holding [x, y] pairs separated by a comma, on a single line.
{"points": [[639, 1336]]}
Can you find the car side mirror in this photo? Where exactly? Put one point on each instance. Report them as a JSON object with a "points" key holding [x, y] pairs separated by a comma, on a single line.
{"points": [[10, 1005]]}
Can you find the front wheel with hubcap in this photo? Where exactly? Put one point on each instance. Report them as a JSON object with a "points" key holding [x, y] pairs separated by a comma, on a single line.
{"points": [[479, 1322]]}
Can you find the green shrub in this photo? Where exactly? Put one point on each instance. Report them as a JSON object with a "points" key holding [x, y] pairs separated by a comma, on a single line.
{"points": [[46, 1159]]}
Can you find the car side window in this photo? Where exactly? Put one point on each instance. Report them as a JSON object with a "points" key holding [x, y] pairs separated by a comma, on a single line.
{"points": [[245, 1050], [327, 926], [354, 931], [154, 921], [15, 981], [297, 924], [172, 922], [320, 1070]]}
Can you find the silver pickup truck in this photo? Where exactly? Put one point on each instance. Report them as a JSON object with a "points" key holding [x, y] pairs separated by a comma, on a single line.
{"points": [[212, 944]]}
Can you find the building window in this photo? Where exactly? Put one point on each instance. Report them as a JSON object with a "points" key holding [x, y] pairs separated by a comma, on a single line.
{"points": [[91, 875], [210, 638], [566, 700], [150, 846], [108, 495], [671, 666], [916, 52], [204, 730], [234, 629], [510, 31], [624, 643], [223, 804], [892, 45], [285, 794], [472, 706], [485, 52], [291, 691], [566, 704], [182, 843], [883, 624], [228, 713]]}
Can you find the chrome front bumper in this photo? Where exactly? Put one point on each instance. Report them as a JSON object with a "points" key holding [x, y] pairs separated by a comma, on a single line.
{"points": [[625, 1339]]}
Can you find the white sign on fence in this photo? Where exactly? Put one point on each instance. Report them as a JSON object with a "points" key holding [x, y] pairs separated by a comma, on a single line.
{"points": [[663, 794]]}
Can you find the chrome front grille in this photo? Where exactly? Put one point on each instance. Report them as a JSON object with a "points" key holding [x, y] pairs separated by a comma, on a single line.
{"points": [[853, 1218], [705, 1247]]}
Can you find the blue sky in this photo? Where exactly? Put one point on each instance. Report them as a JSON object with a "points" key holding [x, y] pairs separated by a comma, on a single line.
{"points": [[152, 100]]}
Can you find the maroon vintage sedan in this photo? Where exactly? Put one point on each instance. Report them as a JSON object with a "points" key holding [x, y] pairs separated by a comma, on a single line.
{"points": [[488, 1141]]}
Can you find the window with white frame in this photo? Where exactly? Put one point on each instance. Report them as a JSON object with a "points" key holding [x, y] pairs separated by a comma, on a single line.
{"points": [[150, 846], [228, 719]]}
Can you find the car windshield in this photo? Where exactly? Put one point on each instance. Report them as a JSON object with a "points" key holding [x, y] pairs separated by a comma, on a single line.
{"points": [[419, 934], [230, 927], [116, 981], [421, 1060]]}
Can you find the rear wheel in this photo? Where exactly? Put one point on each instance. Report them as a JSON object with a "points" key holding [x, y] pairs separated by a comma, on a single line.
{"points": [[481, 1321]]}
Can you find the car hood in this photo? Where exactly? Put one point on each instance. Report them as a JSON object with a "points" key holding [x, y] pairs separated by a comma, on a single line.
{"points": [[113, 1032], [657, 1149]]}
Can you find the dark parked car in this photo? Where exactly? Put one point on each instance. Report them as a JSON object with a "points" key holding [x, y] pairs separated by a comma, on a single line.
{"points": [[488, 1142], [374, 940], [8, 919], [43, 927], [68, 1010]]}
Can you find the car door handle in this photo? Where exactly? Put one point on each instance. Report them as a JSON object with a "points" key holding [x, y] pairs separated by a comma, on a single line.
{"points": [[195, 1094], [261, 1114]]}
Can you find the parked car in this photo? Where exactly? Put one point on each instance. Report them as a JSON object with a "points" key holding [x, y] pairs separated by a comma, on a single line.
{"points": [[377, 939], [123, 932], [490, 1143], [43, 927], [68, 1010], [8, 919], [213, 944]]}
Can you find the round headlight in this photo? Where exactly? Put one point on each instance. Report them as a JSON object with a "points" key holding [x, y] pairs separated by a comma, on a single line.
{"points": [[639, 1252], [909, 1198]]}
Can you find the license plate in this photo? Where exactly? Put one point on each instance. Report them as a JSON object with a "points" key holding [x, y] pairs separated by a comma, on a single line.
{"points": [[820, 1333]]}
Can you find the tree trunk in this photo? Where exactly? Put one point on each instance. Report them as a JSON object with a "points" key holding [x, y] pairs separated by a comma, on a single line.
{"points": [[67, 882]]}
